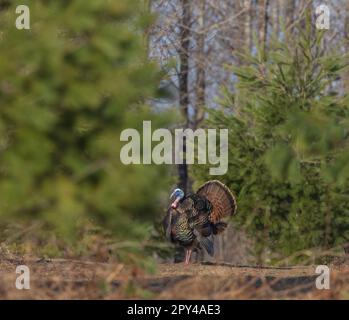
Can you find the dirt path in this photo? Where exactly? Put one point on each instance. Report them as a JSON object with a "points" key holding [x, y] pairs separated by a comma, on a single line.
{"points": [[75, 279]]}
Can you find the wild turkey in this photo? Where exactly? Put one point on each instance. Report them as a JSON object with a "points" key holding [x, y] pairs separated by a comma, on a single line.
{"points": [[193, 220]]}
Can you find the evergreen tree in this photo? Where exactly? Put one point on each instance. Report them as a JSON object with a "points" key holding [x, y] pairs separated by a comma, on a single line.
{"points": [[68, 87], [288, 147]]}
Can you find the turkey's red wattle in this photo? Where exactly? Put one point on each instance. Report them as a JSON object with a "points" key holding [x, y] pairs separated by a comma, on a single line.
{"points": [[174, 204]]}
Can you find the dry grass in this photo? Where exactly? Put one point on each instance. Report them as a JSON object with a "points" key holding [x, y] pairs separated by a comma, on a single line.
{"points": [[79, 279]]}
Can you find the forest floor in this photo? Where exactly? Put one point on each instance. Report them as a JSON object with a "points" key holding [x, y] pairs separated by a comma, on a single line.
{"points": [[79, 279]]}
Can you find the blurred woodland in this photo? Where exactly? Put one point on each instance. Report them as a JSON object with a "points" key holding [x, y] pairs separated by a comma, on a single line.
{"points": [[86, 70]]}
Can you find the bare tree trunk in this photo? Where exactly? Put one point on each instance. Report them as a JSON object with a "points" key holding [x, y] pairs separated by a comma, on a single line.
{"points": [[289, 6], [183, 82], [148, 9], [275, 16], [263, 24], [200, 86], [346, 39], [247, 25]]}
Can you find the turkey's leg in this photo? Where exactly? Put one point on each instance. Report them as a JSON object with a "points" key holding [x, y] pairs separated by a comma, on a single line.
{"points": [[187, 256]]}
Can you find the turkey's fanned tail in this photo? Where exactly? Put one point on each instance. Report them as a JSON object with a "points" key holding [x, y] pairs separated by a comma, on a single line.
{"points": [[221, 198]]}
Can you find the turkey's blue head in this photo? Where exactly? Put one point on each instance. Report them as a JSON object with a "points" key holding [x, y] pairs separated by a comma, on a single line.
{"points": [[178, 195]]}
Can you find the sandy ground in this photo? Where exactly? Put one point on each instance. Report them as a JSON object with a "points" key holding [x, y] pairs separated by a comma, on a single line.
{"points": [[78, 279]]}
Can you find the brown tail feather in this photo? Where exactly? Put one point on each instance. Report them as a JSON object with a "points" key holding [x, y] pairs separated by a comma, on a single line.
{"points": [[222, 199]]}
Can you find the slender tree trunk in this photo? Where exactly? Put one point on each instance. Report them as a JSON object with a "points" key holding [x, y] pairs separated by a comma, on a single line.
{"points": [[148, 9], [200, 86], [289, 6], [346, 39], [247, 25], [183, 82], [263, 24], [275, 16], [184, 44]]}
